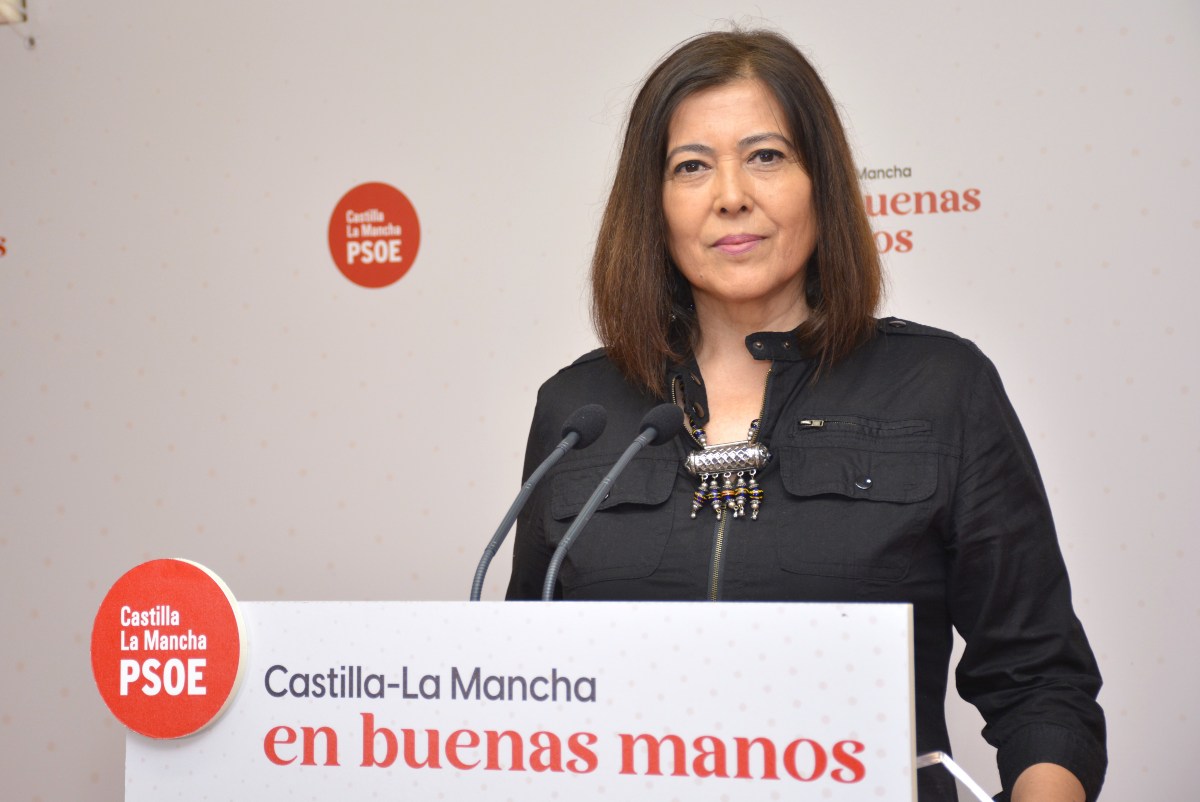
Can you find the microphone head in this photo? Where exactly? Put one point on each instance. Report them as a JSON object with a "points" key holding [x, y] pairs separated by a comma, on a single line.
{"points": [[588, 422], [666, 420]]}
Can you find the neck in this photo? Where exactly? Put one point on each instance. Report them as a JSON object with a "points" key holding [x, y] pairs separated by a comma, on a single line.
{"points": [[725, 327]]}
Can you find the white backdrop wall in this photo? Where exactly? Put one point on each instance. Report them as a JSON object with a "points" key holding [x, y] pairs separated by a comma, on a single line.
{"points": [[184, 372]]}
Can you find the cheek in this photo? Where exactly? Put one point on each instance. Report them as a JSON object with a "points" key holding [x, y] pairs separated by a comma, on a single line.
{"points": [[683, 225], [674, 208], [803, 225]]}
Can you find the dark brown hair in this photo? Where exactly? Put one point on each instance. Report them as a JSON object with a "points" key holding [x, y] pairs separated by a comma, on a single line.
{"points": [[640, 302]]}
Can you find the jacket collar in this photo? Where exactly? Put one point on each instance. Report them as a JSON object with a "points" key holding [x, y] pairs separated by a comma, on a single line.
{"points": [[685, 385]]}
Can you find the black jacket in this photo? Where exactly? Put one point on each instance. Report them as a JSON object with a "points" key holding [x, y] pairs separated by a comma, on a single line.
{"points": [[902, 474]]}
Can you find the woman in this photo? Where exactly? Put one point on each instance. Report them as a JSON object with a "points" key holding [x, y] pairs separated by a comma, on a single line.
{"points": [[735, 274]]}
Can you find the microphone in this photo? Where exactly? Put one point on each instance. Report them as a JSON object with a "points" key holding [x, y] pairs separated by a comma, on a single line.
{"points": [[659, 425], [582, 428]]}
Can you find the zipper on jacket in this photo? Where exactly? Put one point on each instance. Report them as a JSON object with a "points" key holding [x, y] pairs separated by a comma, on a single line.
{"points": [[882, 428], [718, 549], [718, 559], [762, 408]]}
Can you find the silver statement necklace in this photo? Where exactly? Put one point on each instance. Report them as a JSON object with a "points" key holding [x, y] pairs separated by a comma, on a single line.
{"points": [[727, 471]]}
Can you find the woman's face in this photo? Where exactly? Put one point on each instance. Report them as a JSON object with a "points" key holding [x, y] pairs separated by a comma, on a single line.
{"points": [[738, 205]]}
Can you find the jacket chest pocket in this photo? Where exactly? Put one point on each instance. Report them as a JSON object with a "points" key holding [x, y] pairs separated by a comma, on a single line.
{"points": [[628, 534], [858, 510]]}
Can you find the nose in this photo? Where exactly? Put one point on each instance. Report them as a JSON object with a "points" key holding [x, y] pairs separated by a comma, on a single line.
{"points": [[731, 189]]}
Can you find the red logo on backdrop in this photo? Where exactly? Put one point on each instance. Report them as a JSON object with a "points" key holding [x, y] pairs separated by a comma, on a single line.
{"points": [[167, 648], [901, 204], [374, 235]]}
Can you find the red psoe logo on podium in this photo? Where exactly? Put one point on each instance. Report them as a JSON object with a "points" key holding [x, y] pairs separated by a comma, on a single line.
{"points": [[167, 648]]}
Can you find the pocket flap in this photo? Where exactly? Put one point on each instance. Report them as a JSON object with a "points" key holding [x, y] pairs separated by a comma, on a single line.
{"points": [[896, 476], [644, 481]]}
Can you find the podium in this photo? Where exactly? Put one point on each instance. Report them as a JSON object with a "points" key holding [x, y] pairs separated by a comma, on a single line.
{"points": [[554, 701]]}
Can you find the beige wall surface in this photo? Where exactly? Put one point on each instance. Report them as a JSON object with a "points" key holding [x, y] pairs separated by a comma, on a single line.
{"points": [[184, 372]]}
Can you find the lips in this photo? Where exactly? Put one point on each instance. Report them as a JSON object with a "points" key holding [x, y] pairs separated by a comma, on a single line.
{"points": [[734, 244]]}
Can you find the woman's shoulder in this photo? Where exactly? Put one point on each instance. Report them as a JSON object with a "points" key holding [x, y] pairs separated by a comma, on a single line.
{"points": [[592, 367], [900, 338], [903, 327], [590, 379], [909, 361]]}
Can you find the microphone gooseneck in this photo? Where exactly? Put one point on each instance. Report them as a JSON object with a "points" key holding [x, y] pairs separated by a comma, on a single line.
{"points": [[658, 426], [582, 428]]}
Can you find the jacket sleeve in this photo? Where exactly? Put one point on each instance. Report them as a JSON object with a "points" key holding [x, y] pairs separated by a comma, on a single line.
{"points": [[531, 553], [1027, 665]]}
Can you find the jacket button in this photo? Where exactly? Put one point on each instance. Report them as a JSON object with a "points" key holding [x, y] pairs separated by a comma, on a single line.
{"points": [[897, 324], [758, 346], [863, 483]]}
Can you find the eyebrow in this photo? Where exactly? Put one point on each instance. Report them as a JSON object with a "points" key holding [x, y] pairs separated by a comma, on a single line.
{"points": [[743, 144]]}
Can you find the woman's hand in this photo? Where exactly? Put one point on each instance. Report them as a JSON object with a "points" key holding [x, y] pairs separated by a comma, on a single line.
{"points": [[1047, 782]]}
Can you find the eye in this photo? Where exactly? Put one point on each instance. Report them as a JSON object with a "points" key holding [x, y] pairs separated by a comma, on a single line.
{"points": [[689, 167], [767, 156]]}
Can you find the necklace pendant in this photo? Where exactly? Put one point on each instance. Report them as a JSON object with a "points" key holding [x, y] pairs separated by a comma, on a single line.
{"points": [[756, 497], [717, 466], [740, 496], [700, 497], [728, 493]]}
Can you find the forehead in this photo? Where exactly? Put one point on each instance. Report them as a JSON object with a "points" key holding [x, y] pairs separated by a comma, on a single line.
{"points": [[731, 110]]}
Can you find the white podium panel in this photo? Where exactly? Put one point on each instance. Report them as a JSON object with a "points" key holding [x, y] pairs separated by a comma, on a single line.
{"points": [[532, 701]]}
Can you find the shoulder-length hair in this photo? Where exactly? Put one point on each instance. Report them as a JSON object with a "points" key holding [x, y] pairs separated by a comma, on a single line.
{"points": [[640, 302]]}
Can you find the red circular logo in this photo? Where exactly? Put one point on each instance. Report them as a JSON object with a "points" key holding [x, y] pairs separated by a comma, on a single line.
{"points": [[374, 235], [167, 648]]}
